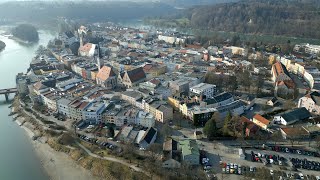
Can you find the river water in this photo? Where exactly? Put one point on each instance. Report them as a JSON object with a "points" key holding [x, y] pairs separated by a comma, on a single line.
{"points": [[18, 160]]}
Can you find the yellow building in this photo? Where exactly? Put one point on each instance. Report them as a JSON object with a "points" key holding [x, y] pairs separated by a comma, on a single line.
{"points": [[174, 102]]}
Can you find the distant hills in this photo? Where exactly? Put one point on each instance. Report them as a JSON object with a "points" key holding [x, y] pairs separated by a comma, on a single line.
{"points": [[84, 10], [299, 18]]}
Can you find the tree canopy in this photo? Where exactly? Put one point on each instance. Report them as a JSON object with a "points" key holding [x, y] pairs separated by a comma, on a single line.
{"points": [[2, 45], [210, 129], [26, 32]]}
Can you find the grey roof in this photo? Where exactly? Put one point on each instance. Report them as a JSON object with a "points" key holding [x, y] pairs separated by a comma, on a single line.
{"points": [[219, 98], [151, 132], [64, 101], [296, 115], [133, 94], [315, 97]]}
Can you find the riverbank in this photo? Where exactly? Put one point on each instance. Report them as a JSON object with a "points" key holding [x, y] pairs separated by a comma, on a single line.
{"points": [[57, 165], [23, 42], [2, 45]]}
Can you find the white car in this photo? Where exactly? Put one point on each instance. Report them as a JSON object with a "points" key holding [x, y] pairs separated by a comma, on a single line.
{"points": [[301, 176], [90, 127], [251, 169], [271, 172], [231, 166]]}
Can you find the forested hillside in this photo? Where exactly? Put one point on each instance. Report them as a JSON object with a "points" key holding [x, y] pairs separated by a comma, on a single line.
{"points": [[26, 32], [300, 18], [39, 11]]}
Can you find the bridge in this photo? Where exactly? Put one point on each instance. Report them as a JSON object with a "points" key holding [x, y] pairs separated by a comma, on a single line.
{"points": [[8, 91]]}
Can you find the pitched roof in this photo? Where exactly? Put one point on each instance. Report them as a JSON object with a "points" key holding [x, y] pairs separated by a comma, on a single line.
{"points": [[279, 68], [151, 132], [274, 99], [296, 115], [155, 81], [170, 145], [261, 119], [105, 72], [136, 74], [87, 47], [38, 86], [315, 96], [219, 98], [295, 131]]}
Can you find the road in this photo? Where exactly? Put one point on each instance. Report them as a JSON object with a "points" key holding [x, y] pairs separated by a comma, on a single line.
{"points": [[132, 166]]}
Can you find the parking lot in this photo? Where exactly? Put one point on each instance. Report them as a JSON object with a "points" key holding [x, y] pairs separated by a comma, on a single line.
{"points": [[218, 152]]}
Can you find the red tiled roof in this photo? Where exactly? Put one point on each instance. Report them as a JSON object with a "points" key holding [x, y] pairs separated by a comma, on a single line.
{"points": [[147, 67], [86, 47], [263, 120], [155, 81], [294, 131], [193, 46], [39, 85], [105, 72]]}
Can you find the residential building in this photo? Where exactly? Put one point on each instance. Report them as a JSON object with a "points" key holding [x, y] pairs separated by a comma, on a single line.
{"points": [[251, 128], [294, 133], [200, 115], [204, 89], [162, 112], [183, 85], [93, 112], [272, 102], [154, 70], [311, 102], [131, 96], [106, 77], [39, 88], [221, 99], [49, 99], [133, 77], [145, 119], [151, 85], [292, 116], [148, 138], [281, 77], [260, 121], [63, 107]]}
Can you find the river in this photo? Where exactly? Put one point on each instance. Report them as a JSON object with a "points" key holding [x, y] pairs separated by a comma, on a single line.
{"points": [[18, 160]]}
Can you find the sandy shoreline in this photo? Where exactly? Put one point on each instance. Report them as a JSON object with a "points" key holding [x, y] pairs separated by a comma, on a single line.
{"points": [[57, 165]]}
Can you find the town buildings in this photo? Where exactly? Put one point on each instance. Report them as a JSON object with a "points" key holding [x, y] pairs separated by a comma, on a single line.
{"points": [[311, 102], [204, 89]]}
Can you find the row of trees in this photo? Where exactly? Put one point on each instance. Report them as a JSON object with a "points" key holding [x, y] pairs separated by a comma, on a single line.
{"points": [[230, 127], [241, 79]]}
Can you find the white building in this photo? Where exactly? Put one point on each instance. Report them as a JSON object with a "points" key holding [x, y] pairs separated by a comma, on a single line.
{"points": [[63, 106], [92, 113], [312, 49], [311, 102], [145, 119], [204, 89]]}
